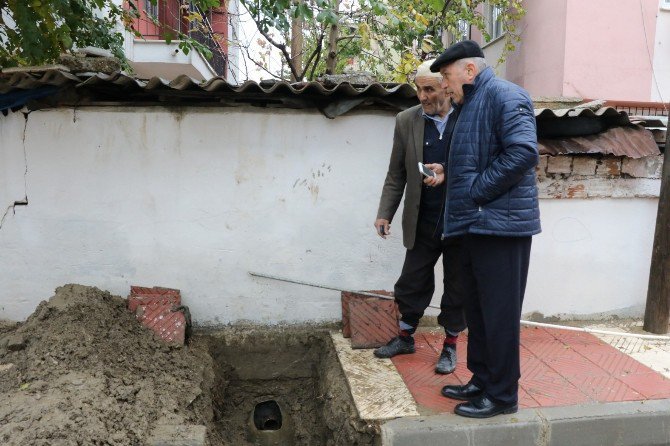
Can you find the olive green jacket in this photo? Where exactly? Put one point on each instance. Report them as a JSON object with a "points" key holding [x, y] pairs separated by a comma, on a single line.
{"points": [[403, 174]]}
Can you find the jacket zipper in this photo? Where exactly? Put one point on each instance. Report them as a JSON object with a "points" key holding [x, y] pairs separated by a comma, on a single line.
{"points": [[446, 163]]}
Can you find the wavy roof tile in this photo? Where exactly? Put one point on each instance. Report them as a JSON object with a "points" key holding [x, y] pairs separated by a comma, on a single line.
{"points": [[559, 131]]}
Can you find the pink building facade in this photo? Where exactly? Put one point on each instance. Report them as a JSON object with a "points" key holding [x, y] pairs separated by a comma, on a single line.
{"points": [[598, 49]]}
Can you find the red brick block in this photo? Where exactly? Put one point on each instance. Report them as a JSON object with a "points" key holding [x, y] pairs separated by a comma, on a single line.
{"points": [[164, 321], [373, 322], [153, 299], [156, 309], [144, 295], [345, 298], [346, 328]]}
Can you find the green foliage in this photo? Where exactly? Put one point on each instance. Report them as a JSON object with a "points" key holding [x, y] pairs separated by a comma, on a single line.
{"points": [[413, 30], [391, 37], [34, 32]]}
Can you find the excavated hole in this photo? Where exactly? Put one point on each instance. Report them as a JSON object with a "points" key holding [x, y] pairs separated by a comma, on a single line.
{"points": [[281, 386]]}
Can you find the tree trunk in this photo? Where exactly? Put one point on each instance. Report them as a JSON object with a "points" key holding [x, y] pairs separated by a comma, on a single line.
{"points": [[296, 47], [331, 58], [657, 311]]}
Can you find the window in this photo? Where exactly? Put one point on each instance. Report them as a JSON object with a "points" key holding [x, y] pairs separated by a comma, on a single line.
{"points": [[151, 9], [665, 5], [463, 31], [494, 21]]}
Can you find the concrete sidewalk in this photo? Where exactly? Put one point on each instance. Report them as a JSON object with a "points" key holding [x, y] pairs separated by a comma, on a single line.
{"points": [[576, 389]]}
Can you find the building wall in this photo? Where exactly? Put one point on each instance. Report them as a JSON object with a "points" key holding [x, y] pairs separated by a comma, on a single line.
{"points": [[196, 198], [538, 63], [660, 87], [597, 49], [609, 49]]}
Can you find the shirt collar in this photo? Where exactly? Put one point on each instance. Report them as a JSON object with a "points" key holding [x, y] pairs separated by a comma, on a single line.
{"points": [[437, 118]]}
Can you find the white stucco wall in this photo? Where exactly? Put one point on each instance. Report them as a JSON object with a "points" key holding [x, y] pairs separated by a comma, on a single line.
{"points": [[194, 199]]}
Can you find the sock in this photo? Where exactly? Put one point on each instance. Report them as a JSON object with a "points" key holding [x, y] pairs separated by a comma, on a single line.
{"points": [[450, 339], [407, 331]]}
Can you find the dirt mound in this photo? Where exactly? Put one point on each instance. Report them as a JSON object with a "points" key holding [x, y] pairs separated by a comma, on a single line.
{"points": [[82, 371]]}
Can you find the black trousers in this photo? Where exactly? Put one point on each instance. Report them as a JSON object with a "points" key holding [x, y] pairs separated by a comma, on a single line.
{"points": [[414, 289], [495, 271]]}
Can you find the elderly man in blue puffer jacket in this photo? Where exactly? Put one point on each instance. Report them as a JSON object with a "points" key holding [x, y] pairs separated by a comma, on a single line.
{"points": [[492, 204]]}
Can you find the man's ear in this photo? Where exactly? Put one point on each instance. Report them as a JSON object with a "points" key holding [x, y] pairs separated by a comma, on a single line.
{"points": [[471, 70]]}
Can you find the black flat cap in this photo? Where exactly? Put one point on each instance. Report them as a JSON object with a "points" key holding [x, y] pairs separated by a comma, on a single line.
{"points": [[459, 50]]}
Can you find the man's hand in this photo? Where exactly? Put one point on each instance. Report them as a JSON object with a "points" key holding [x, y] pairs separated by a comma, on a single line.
{"points": [[382, 227], [439, 175]]}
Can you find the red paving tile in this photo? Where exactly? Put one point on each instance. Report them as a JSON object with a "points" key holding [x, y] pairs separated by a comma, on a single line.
{"points": [[558, 368]]}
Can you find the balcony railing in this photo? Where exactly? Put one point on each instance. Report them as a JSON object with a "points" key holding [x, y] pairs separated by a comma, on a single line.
{"points": [[206, 37], [170, 22]]}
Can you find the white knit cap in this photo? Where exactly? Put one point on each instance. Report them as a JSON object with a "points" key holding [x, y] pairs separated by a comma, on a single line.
{"points": [[424, 70]]}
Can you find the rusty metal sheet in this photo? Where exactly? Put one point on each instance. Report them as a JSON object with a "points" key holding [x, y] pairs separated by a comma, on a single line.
{"points": [[631, 141]]}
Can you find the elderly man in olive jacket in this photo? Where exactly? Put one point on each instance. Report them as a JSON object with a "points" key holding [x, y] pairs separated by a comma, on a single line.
{"points": [[422, 134]]}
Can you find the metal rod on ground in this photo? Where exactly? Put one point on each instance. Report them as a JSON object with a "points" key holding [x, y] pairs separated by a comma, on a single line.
{"points": [[316, 285], [523, 322]]}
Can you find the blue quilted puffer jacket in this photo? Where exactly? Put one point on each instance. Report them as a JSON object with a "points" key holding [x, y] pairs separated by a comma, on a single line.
{"points": [[491, 186]]}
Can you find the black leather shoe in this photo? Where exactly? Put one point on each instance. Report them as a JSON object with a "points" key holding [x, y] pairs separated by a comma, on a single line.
{"points": [[467, 392], [447, 362], [483, 407], [396, 346]]}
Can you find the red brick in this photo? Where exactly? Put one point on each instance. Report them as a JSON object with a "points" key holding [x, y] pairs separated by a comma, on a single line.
{"points": [[134, 289], [346, 296], [609, 167], [155, 299], [373, 321], [140, 295], [166, 323], [346, 328]]}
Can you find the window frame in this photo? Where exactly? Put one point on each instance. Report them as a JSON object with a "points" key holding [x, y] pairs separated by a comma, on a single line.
{"points": [[494, 25]]}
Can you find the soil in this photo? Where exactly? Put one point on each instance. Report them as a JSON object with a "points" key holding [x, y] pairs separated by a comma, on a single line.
{"points": [[296, 368], [82, 371]]}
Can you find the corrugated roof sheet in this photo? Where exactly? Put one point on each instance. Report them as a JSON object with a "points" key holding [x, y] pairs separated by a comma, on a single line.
{"points": [[559, 131], [631, 141], [332, 100]]}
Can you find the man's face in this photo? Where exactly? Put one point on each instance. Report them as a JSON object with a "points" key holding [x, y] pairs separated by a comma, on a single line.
{"points": [[454, 76], [434, 99]]}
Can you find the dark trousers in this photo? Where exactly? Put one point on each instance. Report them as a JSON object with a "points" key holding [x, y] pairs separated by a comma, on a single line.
{"points": [[416, 285], [495, 271]]}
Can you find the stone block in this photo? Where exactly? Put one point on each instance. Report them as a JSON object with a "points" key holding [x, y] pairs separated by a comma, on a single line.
{"points": [[609, 167], [560, 164], [647, 167], [585, 166], [16, 342], [541, 168]]}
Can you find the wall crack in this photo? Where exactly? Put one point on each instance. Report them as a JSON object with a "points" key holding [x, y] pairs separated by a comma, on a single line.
{"points": [[24, 200]]}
